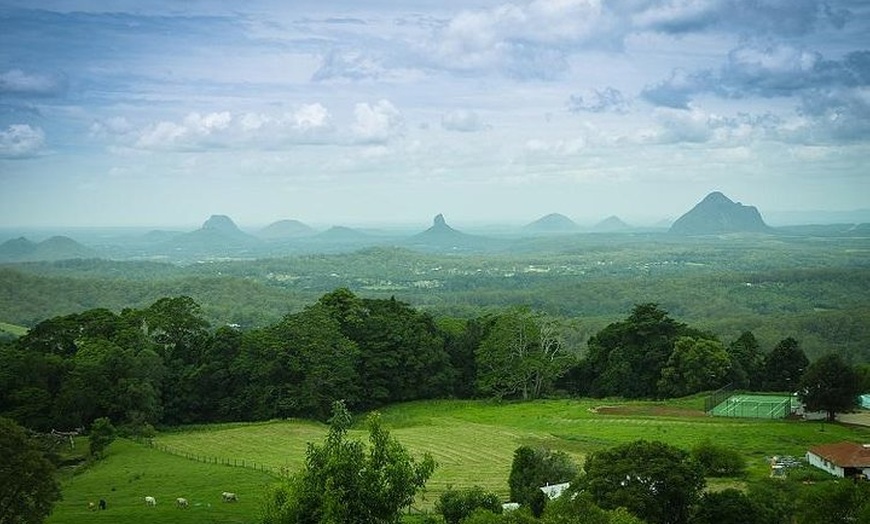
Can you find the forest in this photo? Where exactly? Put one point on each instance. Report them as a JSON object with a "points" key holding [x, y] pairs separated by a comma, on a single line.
{"points": [[164, 365]]}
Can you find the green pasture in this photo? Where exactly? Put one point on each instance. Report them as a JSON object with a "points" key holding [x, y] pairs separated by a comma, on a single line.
{"points": [[132, 471], [12, 329], [472, 441]]}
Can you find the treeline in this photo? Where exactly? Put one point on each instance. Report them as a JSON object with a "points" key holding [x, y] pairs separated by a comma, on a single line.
{"points": [[164, 364]]}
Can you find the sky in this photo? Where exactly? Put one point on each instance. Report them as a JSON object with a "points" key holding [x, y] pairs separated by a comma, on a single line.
{"points": [[350, 112]]}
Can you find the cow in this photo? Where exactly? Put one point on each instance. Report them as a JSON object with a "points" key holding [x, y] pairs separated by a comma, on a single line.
{"points": [[92, 506], [102, 503], [229, 497], [181, 503], [150, 501]]}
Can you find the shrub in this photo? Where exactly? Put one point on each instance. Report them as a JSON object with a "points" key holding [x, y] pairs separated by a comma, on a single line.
{"points": [[718, 461], [457, 505]]}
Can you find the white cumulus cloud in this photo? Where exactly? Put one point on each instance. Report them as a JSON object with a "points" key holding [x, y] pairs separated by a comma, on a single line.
{"points": [[377, 123]]}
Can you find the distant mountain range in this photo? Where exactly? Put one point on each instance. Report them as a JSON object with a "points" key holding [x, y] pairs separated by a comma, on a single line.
{"points": [[718, 214], [219, 237], [54, 248]]}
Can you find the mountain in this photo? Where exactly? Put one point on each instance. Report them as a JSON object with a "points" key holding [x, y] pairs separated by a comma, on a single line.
{"points": [[718, 214], [552, 223], [285, 229], [55, 248], [218, 236], [611, 224], [442, 237]]}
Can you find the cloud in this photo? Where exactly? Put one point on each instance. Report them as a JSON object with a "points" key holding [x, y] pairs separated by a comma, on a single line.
{"points": [[763, 70], [348, 65], [21, 141], [677, 91], [462, 120], [378, 123], [307, 124], [699, 127], [18, 83], [604, 100], [836, 115], [772, 17], [525, 41]]}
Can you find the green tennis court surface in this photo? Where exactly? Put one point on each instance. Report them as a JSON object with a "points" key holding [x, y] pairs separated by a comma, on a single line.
{"points": [[755, 406]]}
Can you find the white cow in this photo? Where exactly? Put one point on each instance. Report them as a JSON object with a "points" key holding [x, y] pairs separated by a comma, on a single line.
{"points": [[150, 501], [229, 497], [181, 502]]}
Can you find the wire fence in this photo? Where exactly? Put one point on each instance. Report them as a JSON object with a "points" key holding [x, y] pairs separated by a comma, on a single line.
{"points": [[211, 459], [717, 397]]}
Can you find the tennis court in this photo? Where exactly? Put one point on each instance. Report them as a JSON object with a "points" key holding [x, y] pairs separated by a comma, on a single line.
{"points": [[756, 406]]}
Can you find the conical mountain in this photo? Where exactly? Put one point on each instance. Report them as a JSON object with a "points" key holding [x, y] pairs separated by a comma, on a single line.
{"points": [[611, 224], [285, 229], [552, 223], [718, 214], [443, 237], [17, 248], [218, 235]]}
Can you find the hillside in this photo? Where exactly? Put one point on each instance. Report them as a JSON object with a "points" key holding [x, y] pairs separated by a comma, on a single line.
{"points": [[55, 248], [717, 214]]}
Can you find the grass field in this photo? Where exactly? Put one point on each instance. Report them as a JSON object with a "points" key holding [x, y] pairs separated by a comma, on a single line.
{"points": [[473, 443], [12, 329]]}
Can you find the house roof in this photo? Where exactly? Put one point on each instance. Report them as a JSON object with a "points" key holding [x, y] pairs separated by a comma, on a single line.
{"points": [[844, 454]]}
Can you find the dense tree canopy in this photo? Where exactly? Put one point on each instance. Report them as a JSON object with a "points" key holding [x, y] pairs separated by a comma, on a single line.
{"points": [[653, 480], [694, 365], [535, 467], [784, 365], [626, 358], [830, 385], [28, 487]]}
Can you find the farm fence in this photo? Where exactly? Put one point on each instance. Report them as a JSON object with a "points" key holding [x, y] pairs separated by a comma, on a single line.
{"points": [[234, 462]]}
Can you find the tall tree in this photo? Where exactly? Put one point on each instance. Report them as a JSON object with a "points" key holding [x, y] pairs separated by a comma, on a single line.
{"points": [[695, 365], [784, 365], [28, 487], [747, 362], [345, 481], [653, 480], [522, 354], [829, 384], [626, 358]]}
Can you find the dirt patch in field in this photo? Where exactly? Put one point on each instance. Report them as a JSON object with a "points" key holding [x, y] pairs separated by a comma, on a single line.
{"points": [[861, 418], [654, 411]]}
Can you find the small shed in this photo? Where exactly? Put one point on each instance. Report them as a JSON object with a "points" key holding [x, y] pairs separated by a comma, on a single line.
{"points": [[843, 459]]}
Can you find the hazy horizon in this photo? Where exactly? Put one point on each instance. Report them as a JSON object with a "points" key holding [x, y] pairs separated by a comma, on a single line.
{"points": [[161, 114]]}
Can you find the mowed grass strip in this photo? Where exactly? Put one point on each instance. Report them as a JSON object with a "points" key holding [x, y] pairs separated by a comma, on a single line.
{"points": [[132, 471], [473, 441]]}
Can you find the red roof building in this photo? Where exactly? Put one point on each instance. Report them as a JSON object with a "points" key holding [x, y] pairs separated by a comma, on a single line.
{"points": [[843, 459]]}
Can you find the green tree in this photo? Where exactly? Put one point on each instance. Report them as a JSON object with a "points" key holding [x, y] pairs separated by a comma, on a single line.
{"points": [[345, 481], [28, 487], [695, 365], [102, 433], [718, 461], [747, 362], [729, 506], [784, 366], [653, 480], [830, 384], [522, 354], [828, 502], [455, 505], [533, 468], [626, 358]]}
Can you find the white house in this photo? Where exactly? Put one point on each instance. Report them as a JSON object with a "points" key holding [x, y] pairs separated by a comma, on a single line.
{"points": [[843, 459]]}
